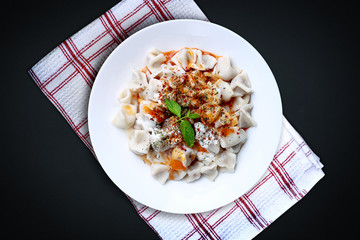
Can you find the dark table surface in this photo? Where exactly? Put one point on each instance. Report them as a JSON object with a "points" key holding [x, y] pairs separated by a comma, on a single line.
{"points": [[53, 188]]}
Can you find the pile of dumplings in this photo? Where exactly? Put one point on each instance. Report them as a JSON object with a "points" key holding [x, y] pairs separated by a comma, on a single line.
{"points": [[201, 83]]}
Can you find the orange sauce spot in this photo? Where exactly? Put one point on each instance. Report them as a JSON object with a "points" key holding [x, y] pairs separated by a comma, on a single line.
{"points": [[199, 148], [147, 110], [139, 100], [177, 165], [129, 110], [226, 131], [173, 174], [145, 69], [144, 158], [234, 121], [168, 55], [157, 113], [192, 56]]}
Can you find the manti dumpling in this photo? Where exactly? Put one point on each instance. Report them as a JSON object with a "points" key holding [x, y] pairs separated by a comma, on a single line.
{"points": [[154, 59], [138, 81], [245, 119], [139, 142], [226, 161], [236, 136], [224, 69], [125, 117], [193, 58], [241, 84], [225, 90]]}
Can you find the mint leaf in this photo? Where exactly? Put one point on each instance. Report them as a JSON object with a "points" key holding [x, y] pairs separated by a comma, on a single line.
{"points": [[188, 132], [185, 127], [173, 107], [193, 115]]}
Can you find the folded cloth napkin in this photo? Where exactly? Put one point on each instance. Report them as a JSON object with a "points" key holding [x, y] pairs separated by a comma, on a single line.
{"points": [[66, 76]]}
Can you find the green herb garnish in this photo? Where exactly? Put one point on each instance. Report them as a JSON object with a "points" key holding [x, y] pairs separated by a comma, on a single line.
{"points": [[185, 127], [188, 132], [173, 107]]}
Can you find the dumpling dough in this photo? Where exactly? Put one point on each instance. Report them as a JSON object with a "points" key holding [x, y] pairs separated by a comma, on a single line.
{"points": [[184, 58], [237, 136], [144, 122], [193, 172], [245, 119], [139, 142], [177, 175], [239, 102], [210, 171], [206, 157], [236, 148], [154, 59], [193, 58], [226, 161], [241, 85], [184, 156], [125, 96], [167, 71], [224, 69], [152, 90], [160, 172], [125, 117], [224, 88], [138, 81], [203, 62]]}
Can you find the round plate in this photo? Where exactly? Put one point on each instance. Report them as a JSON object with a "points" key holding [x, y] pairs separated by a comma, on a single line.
{"points": [[129, 172]]}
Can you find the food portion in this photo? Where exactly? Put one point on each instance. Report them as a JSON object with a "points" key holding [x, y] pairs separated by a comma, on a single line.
{"points": [[187, 112]]}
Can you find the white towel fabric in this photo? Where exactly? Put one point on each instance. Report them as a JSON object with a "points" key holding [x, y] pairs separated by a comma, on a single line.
{"points": [[66, 76]]}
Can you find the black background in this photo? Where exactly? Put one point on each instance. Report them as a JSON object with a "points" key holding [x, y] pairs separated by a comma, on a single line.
{"points": [[53, 188]]}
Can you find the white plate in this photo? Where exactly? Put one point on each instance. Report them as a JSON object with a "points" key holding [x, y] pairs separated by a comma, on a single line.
{"points": [[129, 172]]}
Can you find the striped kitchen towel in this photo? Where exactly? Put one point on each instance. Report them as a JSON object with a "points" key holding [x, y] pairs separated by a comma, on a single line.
{"points": [[66, 76]]}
